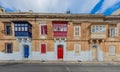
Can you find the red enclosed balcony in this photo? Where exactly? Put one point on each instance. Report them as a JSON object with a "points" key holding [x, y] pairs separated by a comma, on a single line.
{"points": [[60, 28]]}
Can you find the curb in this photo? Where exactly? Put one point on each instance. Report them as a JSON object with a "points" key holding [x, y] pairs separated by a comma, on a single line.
{"points": [[59, 62]]}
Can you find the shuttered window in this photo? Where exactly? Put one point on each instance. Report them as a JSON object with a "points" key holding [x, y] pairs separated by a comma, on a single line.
{"points": [[77, 48], [113, 32], [43, 29], [111, 50], [76, 30], [43, 48], [8, 47], [8, 28]]}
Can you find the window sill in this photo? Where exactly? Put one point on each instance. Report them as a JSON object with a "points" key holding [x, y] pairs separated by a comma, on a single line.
{"points": [[77, 37], [98, 32], [111, 55], [43, 36], [8, 35], [113, 37]]}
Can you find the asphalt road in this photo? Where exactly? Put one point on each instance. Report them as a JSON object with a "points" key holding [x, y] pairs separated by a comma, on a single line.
{"points": [[61, 67]]}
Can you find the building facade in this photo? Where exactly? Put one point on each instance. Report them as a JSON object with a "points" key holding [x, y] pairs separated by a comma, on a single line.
{"points": [[116, 12], [67, 37]]}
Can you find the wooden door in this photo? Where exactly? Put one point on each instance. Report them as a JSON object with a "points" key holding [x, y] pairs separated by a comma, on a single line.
{"points": [[26, 51], [60, 52], [94, 53]]}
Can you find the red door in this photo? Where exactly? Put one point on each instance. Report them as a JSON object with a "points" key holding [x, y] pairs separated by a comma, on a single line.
{"points": [[60, 52]]}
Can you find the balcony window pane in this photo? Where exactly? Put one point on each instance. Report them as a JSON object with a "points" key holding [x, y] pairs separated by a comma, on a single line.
{"points": [[96, 28], [16, 28], [26, 24], [93, 28], [22, 28], [18, 24], [101, 28], [26, 28]]}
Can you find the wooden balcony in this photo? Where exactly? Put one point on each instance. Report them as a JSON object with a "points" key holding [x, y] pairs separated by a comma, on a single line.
{"points": [[60, 33], [23, 34]]}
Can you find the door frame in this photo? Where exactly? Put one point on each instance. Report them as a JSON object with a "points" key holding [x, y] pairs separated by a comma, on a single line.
{"points": [[56, 43], [98, 48]]}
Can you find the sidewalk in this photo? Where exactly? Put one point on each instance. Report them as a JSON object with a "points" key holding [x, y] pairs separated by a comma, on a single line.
{"points": [[58, 62]]}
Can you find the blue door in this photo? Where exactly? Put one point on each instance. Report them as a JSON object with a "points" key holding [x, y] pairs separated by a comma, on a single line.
{"points": [[26, 51]]}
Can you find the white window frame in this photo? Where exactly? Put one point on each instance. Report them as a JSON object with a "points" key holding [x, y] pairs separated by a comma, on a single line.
{"points": [[112, 50], [77, 47], [42, 23], [40, 29], [78, 31], [113, 32]]}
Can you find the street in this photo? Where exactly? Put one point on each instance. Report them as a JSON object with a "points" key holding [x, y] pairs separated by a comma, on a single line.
{"points": [[58, 67]]}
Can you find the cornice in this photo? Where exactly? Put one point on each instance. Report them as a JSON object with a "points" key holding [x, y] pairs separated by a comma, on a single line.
{"points": [[63, 16]]}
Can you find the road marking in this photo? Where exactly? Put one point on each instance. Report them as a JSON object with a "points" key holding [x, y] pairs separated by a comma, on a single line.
{"points": [[68, 69]]}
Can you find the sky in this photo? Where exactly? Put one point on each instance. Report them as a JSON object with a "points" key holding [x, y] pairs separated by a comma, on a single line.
{"points": [[106, 7]]}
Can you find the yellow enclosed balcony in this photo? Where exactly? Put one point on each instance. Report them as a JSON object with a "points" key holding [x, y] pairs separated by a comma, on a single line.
{"points": [[98, 32]]}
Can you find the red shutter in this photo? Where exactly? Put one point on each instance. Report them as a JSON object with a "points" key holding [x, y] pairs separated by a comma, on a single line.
{"points": [[43, 48], [42, 30], [45, 29]]}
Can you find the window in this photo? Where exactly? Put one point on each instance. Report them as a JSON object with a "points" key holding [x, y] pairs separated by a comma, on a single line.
{"points": [[93, 28], [76, 30], [98, 28], [8, 47], [43, 48], [77, 48], [104, 28], [111, 50], [60, 27], [8, 29], [22, 26], [43, 29], [101, 28], [113, 32], [26, 28]]}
